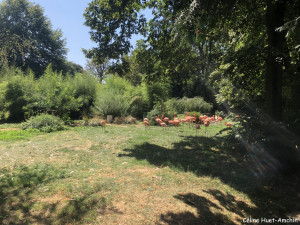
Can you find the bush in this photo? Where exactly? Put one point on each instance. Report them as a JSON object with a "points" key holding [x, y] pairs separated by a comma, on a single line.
{"points": [[15, 85], [85, 92], [111, 102], [44, 122], [22, 96], [156, 93], [117, 83], [119, 98], [196, 104], [3, 109], [220, 113], [55, 94], [158, 110], [179, 106]]}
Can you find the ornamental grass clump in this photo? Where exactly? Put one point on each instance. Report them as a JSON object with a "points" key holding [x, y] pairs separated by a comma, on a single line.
{"points": [[44, 123]]}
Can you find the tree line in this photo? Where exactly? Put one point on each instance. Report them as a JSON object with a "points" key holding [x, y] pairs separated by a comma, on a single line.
{"points": [[239, 51], [27, 39], [234, 53]]}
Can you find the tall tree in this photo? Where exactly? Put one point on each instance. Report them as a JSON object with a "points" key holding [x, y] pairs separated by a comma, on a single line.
{"points": [[241, 37], [27, 38], [255, 50], [112, 24], [275, 14]]}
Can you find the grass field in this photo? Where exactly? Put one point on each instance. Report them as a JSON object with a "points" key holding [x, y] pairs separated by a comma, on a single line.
{"points": [[132, 175]]}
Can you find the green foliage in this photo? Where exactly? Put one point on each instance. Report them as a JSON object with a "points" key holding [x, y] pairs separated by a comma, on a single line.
{"points": [[111, 102], [72, 68], [189, 40], [158, 110], [117, 83], [3, 113], [157, 92], [139, 101], [27, 38], [44, 123], [183, 105], [106, 19], [129, 69], [118, 97], [54, 94], [220, 113], [147, 96], [251, 66], [85, 91], [96, 69], [173, 106], [16, 87], [23, 96], [111, 97]]}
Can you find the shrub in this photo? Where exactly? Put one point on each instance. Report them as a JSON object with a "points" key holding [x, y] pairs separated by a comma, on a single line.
{"points": [[17, 86], [111, 102], [22, 96], [220, 113], [3, 109], [158, 110], [120, 98], [196, 104], [117, 83], [138, 101], [85, 91], [156, 93], [55, 94], [44, 122]]}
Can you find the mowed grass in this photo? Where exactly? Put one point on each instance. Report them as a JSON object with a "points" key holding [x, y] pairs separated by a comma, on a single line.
{"points": [[134, 175]]}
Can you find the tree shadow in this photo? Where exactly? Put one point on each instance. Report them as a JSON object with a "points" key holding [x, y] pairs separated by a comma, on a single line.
{"points": [[18, 203], [199, 155], [216, 157], [204, 216]]}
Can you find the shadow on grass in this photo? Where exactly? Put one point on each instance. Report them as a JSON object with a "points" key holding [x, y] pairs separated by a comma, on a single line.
{"points": [[215, 157], [18, 203], [204, 213]]}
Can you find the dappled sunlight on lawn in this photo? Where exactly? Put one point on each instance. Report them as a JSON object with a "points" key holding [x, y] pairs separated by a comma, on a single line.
{"points": [[214, 157]]}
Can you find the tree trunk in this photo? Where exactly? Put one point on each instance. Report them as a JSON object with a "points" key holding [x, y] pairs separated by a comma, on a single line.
{"points": [[274, 19]]}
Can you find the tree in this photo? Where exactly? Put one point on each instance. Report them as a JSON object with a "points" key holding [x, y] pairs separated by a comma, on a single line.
{"points": [[112, 24], [27, 38], [72, 68], [96, 69], [254, 51], [245, 41]]}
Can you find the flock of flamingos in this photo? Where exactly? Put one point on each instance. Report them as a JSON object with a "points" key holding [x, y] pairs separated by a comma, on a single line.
{"points": [[205, 120], [201, 120]]}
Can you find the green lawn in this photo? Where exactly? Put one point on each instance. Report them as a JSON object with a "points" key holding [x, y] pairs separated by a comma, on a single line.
{"points": [[132, 175]]}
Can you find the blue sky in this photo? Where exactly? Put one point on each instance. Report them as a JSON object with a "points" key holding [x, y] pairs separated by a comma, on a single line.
{"points": [[67, 15]]}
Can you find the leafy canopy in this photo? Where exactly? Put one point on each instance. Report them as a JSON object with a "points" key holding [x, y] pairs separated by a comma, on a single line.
{"points": [[112, 24], [27, 38]]}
